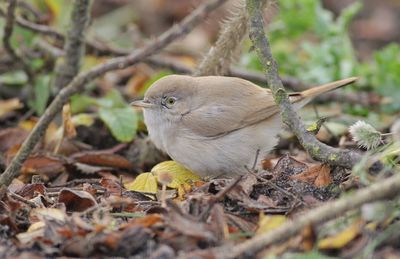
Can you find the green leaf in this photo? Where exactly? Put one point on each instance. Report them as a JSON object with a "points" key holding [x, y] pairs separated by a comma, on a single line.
{"points": [[385, 77], [122, 122], [81, 102], [14, 78], [42, 93], [116, 99]]}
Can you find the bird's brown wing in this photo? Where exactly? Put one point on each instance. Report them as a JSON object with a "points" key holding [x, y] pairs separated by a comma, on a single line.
{"points": [[241, 105]]}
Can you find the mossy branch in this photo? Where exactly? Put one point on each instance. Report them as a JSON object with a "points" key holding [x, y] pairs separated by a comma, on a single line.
{"points": [[74, 46], [319, 151]]}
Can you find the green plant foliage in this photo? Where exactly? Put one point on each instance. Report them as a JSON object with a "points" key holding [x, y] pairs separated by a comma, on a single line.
{"points": [[310, 44], [81, 102], [112, 110], [14, 78], [121, 121], [384, 75], [41, 93]]}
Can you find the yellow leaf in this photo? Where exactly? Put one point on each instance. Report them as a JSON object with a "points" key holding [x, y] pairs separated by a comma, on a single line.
{"points": [[342, 238], [145, 182], [54, 7], [268, 223], [9, 105], [83, 119], [180, 175]]}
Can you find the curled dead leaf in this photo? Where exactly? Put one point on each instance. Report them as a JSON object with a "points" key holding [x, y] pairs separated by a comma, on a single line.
{"points": [[76, 200]]}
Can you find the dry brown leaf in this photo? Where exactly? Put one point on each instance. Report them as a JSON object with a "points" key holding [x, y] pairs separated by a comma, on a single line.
{"points": [[308, 238], [76, 200], [103, 159], [287, 166], [147, 221], [319, 175], [11, 137], [243, 189], [111, 186], [42, 164], [188, 225], [324, 177], [31, 190], [267, 164]]}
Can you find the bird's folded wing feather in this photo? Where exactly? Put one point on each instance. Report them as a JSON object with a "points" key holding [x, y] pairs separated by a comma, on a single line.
{"points": [[227, 111]]}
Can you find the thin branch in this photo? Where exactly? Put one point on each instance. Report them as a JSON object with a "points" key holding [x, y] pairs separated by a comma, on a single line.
{"points": [[182, 68], [78, 83], [385, 189], [74, 46], [317, 150], [92, 46], [8, 31], [102, 49]]}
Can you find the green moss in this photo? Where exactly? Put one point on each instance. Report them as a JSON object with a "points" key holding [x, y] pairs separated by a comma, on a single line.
{"points": [[333, 157], [312, 149]]}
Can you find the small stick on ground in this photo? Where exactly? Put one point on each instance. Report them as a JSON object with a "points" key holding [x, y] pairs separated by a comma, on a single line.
{"points": [[22, 199], [385, 189]]}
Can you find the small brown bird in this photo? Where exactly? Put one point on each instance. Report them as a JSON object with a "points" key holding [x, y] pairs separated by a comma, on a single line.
{"points": [[214, 125]]}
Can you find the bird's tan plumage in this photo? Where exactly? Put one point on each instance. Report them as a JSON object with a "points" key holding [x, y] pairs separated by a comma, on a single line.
{"points": [[216, 124]]}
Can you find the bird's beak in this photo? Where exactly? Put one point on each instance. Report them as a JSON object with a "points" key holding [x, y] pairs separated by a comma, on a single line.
{"points": [[142, 103]]}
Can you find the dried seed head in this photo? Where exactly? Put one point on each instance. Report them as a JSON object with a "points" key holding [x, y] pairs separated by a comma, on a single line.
{"points": [[365, 135]]}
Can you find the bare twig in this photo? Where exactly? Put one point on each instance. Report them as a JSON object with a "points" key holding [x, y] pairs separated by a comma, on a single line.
{"points": [[74, 46], [92, 46], [78, 83], [180, 67], [102, 49], [8, 31], [22, 199], [318, 150], [383, 190], [30, 9]]}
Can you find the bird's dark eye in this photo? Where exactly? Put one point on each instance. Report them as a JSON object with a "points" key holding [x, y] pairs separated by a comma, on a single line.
{"points": [[170, 101]]}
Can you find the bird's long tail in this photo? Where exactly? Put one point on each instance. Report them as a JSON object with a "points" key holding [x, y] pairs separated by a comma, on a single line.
{"points": [[302, 98]]}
